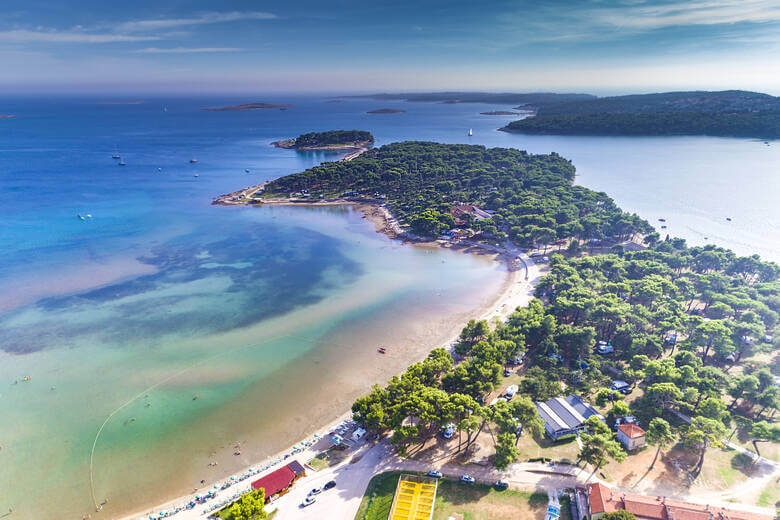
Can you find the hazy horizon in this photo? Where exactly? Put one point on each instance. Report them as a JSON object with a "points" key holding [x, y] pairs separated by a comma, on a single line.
{"points": [[600, 47]]}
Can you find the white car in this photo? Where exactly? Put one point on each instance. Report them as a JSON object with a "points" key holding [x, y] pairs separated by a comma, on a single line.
{"points": [[315, 491], [308, 501]]}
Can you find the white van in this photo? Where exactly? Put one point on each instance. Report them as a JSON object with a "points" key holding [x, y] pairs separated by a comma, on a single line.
{"points": [[511, 390], [620, 386], [605, 348]]}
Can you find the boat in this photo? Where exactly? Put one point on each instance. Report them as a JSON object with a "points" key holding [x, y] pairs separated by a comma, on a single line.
{"points": [[78, 215], [246, 170], [661, 220], [116, 155], [193, 161], [195, 175], [382, 350], [728, 218], [663, 227], [122, 162], [471, 132]]}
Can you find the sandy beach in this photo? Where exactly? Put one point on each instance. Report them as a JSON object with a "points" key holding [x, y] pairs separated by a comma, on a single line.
{"points": [[516, 290]]}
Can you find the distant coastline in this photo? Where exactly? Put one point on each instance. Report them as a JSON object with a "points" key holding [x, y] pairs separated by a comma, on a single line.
{"points": [[249, 106], [733, 113], [131, 102], [500, 113], [386, 111]]}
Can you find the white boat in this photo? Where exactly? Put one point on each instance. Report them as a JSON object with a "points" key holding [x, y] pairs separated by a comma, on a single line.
{"points": [[193, 160], [116, 154], [122, 162], [471, 132]]}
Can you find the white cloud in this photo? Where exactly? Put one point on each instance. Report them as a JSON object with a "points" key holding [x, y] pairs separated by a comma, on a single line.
{"points": [[701, 12], [186, 50], [26, 36], [206, 18]]}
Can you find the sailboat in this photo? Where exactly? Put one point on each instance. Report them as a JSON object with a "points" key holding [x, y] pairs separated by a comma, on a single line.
{"points": [[122, 162], [116, 154], [471, 132]]}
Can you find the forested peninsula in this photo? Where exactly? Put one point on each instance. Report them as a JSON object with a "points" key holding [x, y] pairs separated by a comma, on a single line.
{"points": [[688, 326], [728, 114], [330, 140], [496, 193]]}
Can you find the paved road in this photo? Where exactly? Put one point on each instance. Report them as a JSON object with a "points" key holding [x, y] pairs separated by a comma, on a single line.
{"points": [[352, 478]]}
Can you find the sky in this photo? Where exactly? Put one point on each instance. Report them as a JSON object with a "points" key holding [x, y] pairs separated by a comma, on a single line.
{"points": [[595, 46]]}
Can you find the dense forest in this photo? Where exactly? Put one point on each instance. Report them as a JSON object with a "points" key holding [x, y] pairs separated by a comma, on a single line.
{"points": [[333, 137], [681, 321], [687, 325], [765, 125], [732, 113], [727, 101], [531, 198]]}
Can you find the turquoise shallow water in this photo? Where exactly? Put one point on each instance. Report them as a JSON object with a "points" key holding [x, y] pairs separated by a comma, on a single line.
{"points": [[270, 316]]}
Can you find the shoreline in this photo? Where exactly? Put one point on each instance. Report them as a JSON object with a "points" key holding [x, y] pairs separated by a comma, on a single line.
{"points": [[362, 146], [516, 290]]}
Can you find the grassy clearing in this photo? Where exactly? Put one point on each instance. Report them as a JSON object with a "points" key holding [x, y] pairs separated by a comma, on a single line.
{"points": [[561, 451], [326, 459], [468, 502], [378, 498], [770, 496]]}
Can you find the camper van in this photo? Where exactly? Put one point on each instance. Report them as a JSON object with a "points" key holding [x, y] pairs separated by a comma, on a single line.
{"points": [[605, 348], [620, 386]]}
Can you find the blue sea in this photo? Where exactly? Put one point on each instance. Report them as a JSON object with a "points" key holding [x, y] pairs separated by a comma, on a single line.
{"points": [[127, 298]]}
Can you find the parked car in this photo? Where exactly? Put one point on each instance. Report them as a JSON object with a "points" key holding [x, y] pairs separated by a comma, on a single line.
{"points": [[308, 501], [511, 390], [467, 479], [501, 485], [535, 254], [448, 431], [507, 372], [329, 485], [315, 491], [519, 358], [434, 474]]}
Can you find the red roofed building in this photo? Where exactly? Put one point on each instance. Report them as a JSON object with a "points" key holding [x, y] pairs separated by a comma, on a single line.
{"points": [[279, 482], [602, 499], [631, 436]]}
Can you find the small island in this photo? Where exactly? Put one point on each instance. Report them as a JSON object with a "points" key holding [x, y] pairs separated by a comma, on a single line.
{"points": [[500, 113], [330, 140], [386, 111], [250, 106]]}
